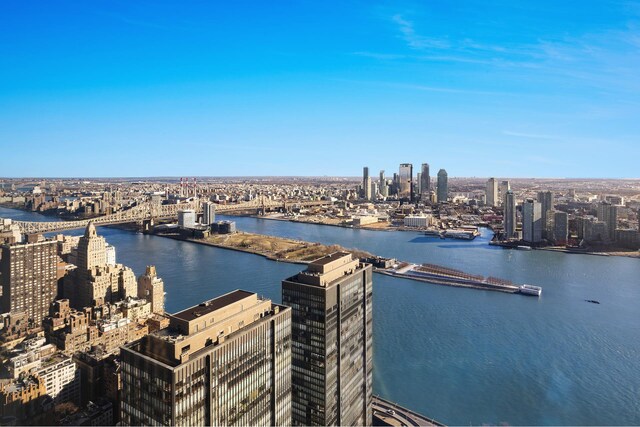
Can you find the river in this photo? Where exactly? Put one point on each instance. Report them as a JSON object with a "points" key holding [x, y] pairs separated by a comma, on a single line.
{"points": [[461, 356]]}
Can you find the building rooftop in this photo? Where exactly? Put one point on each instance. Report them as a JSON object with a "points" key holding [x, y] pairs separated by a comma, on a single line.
{"points": [[212, 305], [330, 258]]}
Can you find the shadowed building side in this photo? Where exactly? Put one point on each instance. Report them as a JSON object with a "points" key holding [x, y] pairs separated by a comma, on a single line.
{"points": [[332, 341]]}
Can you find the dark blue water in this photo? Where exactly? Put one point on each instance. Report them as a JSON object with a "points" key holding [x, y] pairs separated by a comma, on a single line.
{"points": [[461, 356]]}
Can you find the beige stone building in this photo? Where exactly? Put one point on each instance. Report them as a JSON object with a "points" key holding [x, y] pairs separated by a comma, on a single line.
{"points": [[151, 288], [226, 361]]}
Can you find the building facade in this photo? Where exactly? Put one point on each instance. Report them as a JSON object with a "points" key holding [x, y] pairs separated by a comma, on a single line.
{"points": [[509, 218], [405, 181], [332, 351], [503, 187], [532, 221], [226, 361], [151, 288], [425, 182], [560, 228], [186, 218], [608, 214], [28, 273], [208, 213], [546, 205], [443, 186], [491, 192]]}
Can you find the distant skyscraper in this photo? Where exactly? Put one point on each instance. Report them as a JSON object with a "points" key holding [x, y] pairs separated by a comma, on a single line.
{"points": [[366, 183], [608, 214], [532, 221], [502, 190], [28, 272], [382, 186], [418, 183], [425, 182], [509, 215], [491, 192], [332, 342], [208, 213], [405, 176], [546, 201], [560, 227], [443, 186], [226, 361]]}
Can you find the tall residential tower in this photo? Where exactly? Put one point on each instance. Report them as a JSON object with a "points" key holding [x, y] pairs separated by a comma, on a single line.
{"points": [[443, 186], [332, 351], [28, 277], [405, 185], [491, 192], [425, 184]]}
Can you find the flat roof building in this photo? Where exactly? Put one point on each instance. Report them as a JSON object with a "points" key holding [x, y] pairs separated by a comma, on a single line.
{"points": [[332, 337], [226, 361]]}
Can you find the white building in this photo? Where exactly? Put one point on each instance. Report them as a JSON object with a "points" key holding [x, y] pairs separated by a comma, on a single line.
{"points": [[186, 218], [417, 220], [62, 378], [111, 254], [209, 213]]}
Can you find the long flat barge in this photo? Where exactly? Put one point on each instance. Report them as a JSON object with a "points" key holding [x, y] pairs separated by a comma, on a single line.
{"points": [[440, 275]]}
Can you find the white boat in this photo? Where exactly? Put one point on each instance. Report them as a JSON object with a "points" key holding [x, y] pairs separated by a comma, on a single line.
{"points": [[524, 248], [531, 290], [464, 234]]}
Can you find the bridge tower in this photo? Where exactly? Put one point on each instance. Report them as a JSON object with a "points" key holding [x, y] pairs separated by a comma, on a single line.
{"points": [[147, 225]]}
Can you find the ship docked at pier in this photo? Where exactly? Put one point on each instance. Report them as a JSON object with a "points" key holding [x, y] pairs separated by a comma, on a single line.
{"points": [[440, 275], [461, 233]]}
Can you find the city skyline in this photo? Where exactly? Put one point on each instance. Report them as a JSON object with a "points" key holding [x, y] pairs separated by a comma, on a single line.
{"points": [[527, 90]]}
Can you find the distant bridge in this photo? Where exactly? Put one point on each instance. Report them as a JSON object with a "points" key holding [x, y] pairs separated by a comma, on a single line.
{"points": [[148, 210]]}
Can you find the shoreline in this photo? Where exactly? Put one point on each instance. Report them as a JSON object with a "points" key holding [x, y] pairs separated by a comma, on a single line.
{"points": [[123, 226], [443, 281]]}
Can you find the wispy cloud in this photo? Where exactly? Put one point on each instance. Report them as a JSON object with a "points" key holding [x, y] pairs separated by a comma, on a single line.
{"points": [[414, 40], [607, 59], [424, 88], [381, 56], [528, 135]]}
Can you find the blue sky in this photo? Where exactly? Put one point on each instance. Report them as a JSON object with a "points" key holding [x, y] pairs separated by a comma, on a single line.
{"points": [[502, 88]]}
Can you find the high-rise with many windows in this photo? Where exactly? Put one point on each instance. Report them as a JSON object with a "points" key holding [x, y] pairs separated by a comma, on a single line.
{"points": [[443, 186], [405, 181], [226, 361], [29, 279], [491, 192], [608, 214], [532, 221], [332, 351], [509, 219], [546, 205], [425, 182]]}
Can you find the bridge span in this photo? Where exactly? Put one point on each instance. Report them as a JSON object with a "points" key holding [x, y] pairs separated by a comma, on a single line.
{"points": [[147, 210]]}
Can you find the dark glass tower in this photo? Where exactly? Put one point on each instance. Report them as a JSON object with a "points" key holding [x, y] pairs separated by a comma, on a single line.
{"points": [[332, 347]]}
